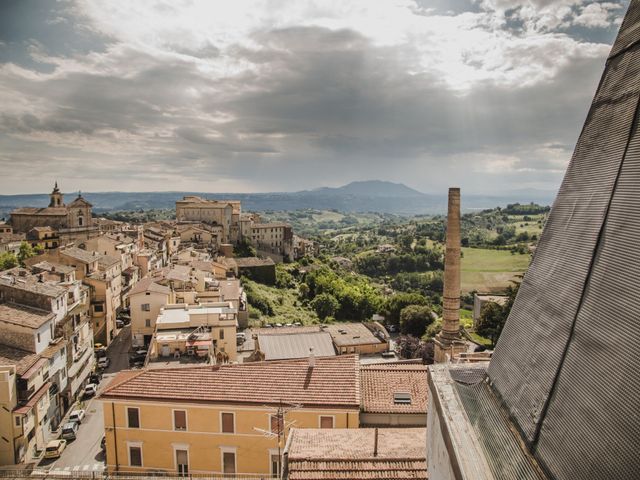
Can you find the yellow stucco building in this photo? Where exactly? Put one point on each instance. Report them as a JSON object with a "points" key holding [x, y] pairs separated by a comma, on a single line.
{"points": [[224, 418]]}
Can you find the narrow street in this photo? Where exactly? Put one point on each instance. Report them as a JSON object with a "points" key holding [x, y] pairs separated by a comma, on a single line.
{"points": [[84, 453]]}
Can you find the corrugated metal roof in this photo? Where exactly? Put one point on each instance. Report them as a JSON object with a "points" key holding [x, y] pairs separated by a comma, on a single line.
{"points": [[280, 347], [565, 366]]}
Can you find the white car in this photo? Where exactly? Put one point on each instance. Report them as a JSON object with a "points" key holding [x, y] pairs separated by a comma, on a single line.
{"points": [[103, 362], [77, 416], [55, 448], [90, 390]]}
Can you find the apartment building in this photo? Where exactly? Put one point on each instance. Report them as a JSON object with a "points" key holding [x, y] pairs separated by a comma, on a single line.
{"points": [[273, 238], [24, 403], [177, 324], [45, 312], [225, 213], [145, 301], [224, 419]]}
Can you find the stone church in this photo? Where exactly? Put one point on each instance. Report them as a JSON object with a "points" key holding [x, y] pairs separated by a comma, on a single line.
{"points": [[75, 216]]}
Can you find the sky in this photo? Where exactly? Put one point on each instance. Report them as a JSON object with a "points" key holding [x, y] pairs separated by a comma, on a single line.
{"points": [[269, 95]]}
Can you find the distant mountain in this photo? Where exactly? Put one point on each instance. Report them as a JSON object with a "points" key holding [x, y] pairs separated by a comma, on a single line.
{"points": [[371, 188], [368, 196]]}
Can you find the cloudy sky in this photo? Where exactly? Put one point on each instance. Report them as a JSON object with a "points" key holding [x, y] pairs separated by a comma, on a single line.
{"points": [[268, 95]]}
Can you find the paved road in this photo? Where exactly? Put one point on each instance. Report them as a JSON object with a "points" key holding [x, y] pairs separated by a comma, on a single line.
{"points": [[84, 453]]}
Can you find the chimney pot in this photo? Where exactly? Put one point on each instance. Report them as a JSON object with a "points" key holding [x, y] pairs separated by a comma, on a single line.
{"points": [[312, 358]]}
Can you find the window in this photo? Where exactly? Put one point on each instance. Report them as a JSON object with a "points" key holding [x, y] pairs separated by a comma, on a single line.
{"points": [[228, 422], [221, 334], [147, 322], [146, 307], [228, 462], [179, 420], [98, 308], [402, 398], [135, 455], [275, 464], [182, 462], [133, 417], [276, 423], [18, 421], [326, 422], [38, 337]]}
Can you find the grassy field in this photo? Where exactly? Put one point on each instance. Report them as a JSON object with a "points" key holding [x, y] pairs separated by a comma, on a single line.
{"points": [[531, 226], [490, 270]]}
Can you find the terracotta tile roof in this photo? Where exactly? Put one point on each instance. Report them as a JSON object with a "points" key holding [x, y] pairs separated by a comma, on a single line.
{"points": [[108, 261], [57, 211], [379, 384], [352, 454], [22, 359], [30, 283], [332, 382], [147, 284], [83, 256], [24, 316]]}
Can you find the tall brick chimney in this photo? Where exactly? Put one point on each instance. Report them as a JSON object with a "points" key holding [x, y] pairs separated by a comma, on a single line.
{"points": [[448, 342], [451, 295]]}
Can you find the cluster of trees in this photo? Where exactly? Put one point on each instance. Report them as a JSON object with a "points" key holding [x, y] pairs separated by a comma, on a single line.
{"points": [[493, 316], [349, 297], [9, 260], [138, 216], [525, 209], [430, 283], [378, 265]]}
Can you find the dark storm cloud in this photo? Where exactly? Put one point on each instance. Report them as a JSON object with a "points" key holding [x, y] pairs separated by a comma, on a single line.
{"points": [[288, 108]]}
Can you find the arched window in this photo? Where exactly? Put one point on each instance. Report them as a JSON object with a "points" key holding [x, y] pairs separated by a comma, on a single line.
{"points": [[80, 220]]}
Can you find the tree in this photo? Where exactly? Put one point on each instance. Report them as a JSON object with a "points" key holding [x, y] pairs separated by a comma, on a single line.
{"points": [[8, 260], [397, 302], [491, 321], [26, 251], [415, 319], [493, 316], [325, 305]]}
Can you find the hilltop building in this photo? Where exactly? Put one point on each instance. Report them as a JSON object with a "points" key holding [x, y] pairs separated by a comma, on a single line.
{"points": [[71, 222], [226, 224]]}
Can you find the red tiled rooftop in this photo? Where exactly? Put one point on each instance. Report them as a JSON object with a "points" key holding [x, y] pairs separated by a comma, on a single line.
{"points": [[379, 384], [332, 382], [352, 453]]}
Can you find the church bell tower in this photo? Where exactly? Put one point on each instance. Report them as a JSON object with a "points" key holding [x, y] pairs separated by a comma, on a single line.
{"points": [[56, 197]]}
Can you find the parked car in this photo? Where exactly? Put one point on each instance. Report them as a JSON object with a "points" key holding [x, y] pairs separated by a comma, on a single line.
{"points": [[77, 416], [90, 390], [95, 377], [137, 359], [70, 431], [98, 346], [103, 362], [141, 351], [119, 323], [54, 448], [240, 338]]}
